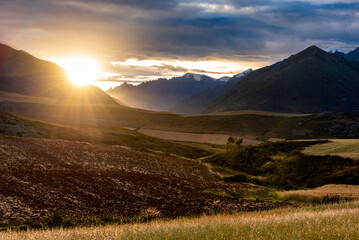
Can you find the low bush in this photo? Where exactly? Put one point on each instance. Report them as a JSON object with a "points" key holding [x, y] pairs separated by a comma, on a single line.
{"points": [[283, 165]]}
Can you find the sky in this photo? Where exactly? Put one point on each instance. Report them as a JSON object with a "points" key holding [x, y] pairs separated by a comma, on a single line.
{"points": [[140, 40]]}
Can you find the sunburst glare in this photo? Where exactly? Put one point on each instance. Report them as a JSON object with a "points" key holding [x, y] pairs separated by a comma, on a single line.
{"points": [[81, 70]]}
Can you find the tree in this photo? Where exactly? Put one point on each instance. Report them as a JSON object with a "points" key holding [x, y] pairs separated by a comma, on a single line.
{"points": [[230, 141], [239, 143]]}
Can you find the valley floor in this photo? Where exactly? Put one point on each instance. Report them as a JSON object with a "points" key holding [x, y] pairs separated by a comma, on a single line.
{"points": [[350, 192], [337, 221], [220, 139], [341, 147]]}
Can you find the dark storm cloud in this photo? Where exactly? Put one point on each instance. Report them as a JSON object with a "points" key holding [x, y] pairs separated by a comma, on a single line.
{"points": [[185, 29]]}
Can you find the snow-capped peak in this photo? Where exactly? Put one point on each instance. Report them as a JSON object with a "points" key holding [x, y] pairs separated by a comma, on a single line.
{"points": [[224, 79], [242, 74], [197, 77], [330, 49]]}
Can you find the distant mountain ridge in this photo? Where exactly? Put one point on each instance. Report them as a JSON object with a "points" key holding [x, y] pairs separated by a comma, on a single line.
{"points": [[197, 103], [310, 81], [22, 73], [352, 55], [162, 94]]}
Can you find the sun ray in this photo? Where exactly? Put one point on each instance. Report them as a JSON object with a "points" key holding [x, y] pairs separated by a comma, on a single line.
{"points": [[81, 70]]}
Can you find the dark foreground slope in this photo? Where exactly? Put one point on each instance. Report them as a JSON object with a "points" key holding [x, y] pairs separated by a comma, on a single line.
{"points": [[310, 81], [40, 176], [24, 74]]}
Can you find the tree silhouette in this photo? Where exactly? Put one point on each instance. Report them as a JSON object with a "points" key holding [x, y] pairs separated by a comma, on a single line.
{"points": [[239, 143], [230, 141]]}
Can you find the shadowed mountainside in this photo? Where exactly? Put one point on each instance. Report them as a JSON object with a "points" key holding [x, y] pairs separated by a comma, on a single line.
{"points": [[24, 74], [197, 103], [310, 81], [162, 94], [352, 55]]}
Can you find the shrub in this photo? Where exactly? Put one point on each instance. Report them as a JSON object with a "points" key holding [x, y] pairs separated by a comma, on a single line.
{"points": [[240, 178], [56, 220]]}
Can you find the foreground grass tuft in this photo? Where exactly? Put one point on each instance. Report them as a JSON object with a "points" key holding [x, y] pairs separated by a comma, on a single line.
{"points": [[337, 221]]}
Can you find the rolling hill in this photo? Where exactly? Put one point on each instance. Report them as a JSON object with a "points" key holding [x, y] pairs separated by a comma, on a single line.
{"points": [[162, 94], [310, 81], [24, 74]]}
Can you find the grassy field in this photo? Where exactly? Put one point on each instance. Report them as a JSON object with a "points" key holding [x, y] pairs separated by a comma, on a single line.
{"points": [[341, 147], [13, 125], [256, 124], [256, 112], [338, 221], [316, 194], [220, 139], [282, 165]]}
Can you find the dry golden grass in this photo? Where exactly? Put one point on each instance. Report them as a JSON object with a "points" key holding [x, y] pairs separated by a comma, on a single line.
{"points": [[344, 191], [338, 221], [341, 147]]}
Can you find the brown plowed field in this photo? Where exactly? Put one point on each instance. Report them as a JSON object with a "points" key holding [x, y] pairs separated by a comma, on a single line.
{"points": [[41, 176]]}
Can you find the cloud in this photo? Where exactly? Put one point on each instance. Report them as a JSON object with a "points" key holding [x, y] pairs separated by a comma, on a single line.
{"points": [[185, 29], [254, 32], [170, 68]]}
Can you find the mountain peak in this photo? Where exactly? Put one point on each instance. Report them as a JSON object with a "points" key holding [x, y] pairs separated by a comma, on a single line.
{"points": [[197, 77], [224, 79], [24, 74], [330, 49], [310, 52], [312, 49], [310, 81], [355, 51], [352, 55], [244, 73]]}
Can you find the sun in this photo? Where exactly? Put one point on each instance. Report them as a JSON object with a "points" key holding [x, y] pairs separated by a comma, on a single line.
{"points": [[81, 70]]}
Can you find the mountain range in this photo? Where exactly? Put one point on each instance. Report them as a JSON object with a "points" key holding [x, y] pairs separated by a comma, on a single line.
{"points": [[24, 74], [310, 81], [353, 55], [199, 102], [162, 94]]}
